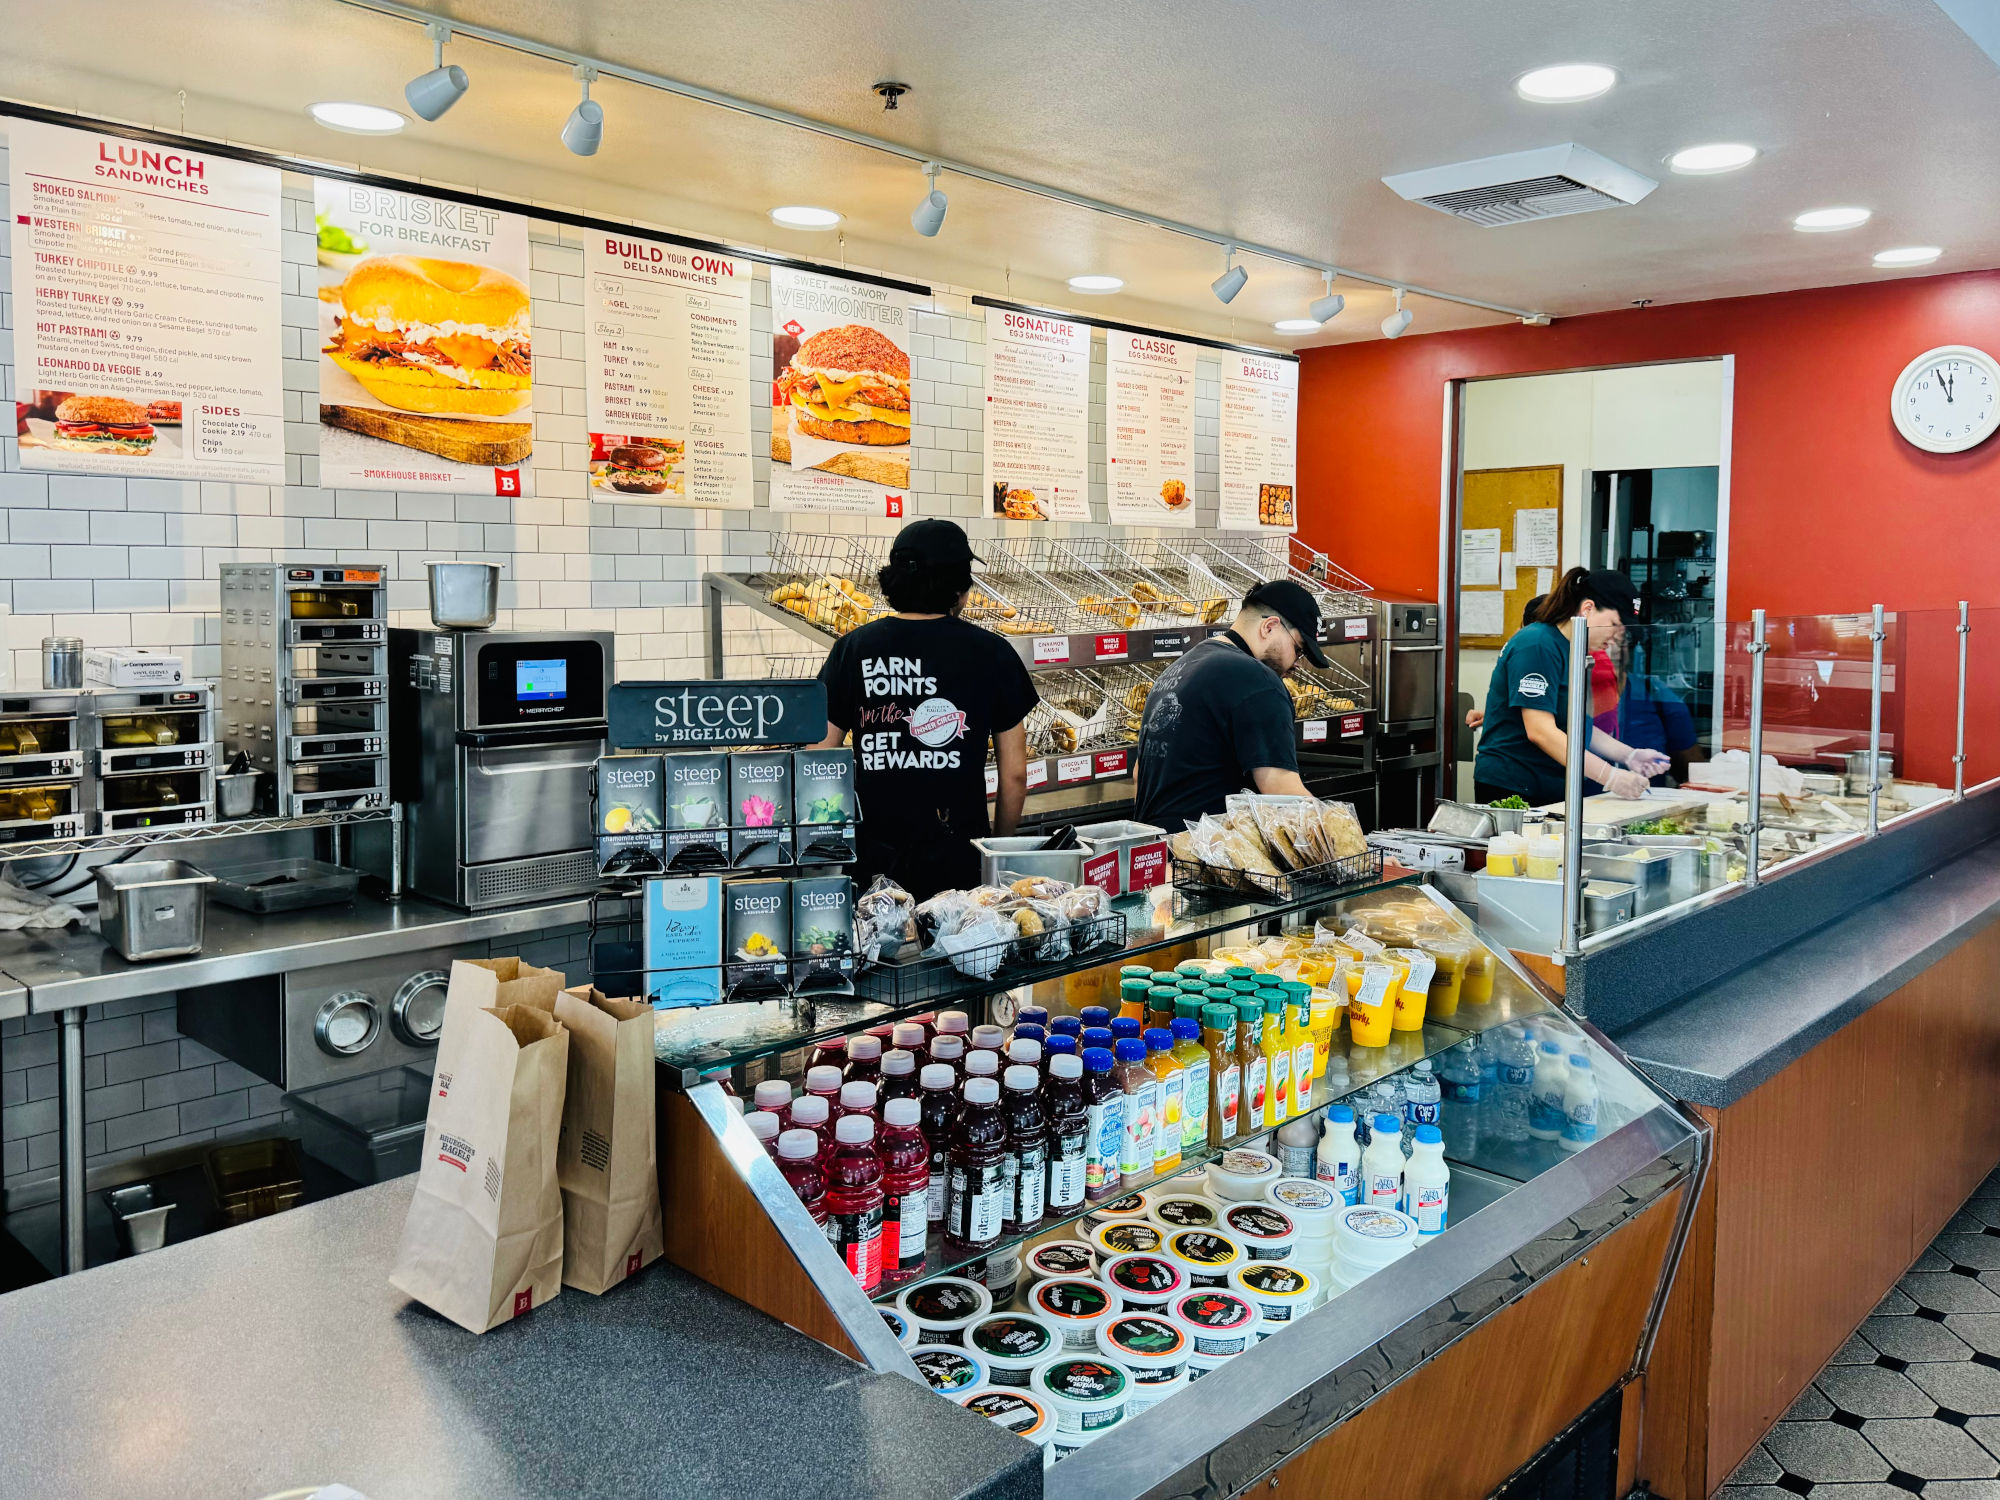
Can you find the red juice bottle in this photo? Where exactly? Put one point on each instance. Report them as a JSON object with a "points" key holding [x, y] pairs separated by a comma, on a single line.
{"points": [[899, 1076], [928, 1020], [858, 1097], [823, 1080], [983, 1063], [989, 1038], [1025, 1195], [973, 1193], [854, 1199], [939, 1103], [911, 1038], [831, 1053], [1027, 1052], [864, 1059], [774, 1096], [951, 1023], [949, 1050], [881, 1034], [764, 1125], [906, 1191], [1069, 1128], [809, 1112], [798, 1161]]}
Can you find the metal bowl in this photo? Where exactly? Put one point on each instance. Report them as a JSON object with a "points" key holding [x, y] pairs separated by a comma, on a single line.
{"points": [[464, 595]]}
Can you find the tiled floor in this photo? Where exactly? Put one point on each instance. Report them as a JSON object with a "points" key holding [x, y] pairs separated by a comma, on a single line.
{"points": [[1911, 1404]]}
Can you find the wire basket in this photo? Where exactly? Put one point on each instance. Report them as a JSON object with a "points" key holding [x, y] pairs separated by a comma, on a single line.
{"points": [[794, 666], [1127, 685], [1074, 714], [934, 978], [1291, 885], [827, 581], [1322, 692], [1267, 557], [1163, 595]]}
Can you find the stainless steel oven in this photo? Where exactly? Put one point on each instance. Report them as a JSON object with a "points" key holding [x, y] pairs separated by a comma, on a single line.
{"points": [[1412, 662], [493, 735]]}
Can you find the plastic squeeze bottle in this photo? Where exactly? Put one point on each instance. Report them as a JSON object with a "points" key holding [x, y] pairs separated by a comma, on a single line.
{"points": [[854, 1199], [1251, 1064], [1069, 1126], [1277, 1062], [1340, 1153], [1195, 1068], [1025, 1195], [1104, 1139], [1545, 1104], [906, 1190], [1382, 1164], [1172, 1078], [974, 1191], [937, 1104], [798, 1162], [1225, 1075], [1141, 1091], [1579, 1104], [1427, 1183]]}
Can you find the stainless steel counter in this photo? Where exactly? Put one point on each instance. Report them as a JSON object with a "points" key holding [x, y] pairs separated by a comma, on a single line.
{"points": [[13, 998]]}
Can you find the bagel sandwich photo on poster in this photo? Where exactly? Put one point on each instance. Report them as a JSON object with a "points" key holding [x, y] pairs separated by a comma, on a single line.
{"points": [[426, 344], [840, 394]]}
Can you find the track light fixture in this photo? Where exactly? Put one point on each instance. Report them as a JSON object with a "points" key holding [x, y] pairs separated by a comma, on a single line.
{"points": [[583, 131], [431, 94], [1230, 282], [1398, 322], [1326, 309], [928, 217]]}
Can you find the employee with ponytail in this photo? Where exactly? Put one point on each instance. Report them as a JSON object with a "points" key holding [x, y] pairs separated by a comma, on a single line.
{"points": [[1524, 749]]}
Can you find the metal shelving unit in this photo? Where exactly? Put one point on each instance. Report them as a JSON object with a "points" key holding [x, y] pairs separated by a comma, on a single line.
{"points": [[184, 833]]}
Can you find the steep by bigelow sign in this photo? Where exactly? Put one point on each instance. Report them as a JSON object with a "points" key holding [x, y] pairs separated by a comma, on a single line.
{"points": [[688, 715]]}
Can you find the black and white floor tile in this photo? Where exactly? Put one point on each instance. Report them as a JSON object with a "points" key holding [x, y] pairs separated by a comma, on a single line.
{"points": [[1911, 1403]]}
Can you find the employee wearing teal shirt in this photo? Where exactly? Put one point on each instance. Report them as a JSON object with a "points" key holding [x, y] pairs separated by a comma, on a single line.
{"points": [[1523, 748]]}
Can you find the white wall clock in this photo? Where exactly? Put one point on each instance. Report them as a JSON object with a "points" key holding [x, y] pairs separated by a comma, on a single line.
{"points": [[1948, 399]]}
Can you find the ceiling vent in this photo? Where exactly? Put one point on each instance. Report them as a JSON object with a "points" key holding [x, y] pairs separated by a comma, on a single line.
{"points": [[1524, 185]]}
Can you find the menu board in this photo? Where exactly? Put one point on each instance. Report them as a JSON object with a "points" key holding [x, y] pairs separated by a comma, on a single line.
{"points": [[1260, 426], [1037, 416], [1149, 437], [426, 361], [667, 340], [148, 291], [840, 394]]}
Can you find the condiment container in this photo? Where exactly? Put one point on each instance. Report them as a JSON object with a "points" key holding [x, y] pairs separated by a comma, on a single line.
{"points": [[1314, 1207], [1281, 1292], [950, 1371], [1126, 1238], [1206, 1255], [1366, 1238], [1020, 1412], [1143, 1282], [1087, 1391], [1221, 1322], [1059, 1258], [1000, 1272], [1074, 1306], [904, 1330], [944, 1307], [1013, 1343], [1241, 1175], [1181, 1210], [1131, 1206], [1206, 1364], [1267, 1231], [1153, 1349]]}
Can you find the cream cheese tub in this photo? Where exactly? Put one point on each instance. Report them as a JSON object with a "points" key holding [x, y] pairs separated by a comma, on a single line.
{"points": [[1021, 1412], [944, 1307], [1013, 1343], [1089, 1394]]}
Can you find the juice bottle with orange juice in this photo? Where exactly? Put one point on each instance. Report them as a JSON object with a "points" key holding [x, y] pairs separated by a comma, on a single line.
{"points": [[1414, 991]]}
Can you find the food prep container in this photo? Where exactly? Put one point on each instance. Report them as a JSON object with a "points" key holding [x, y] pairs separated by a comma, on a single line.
{"points": [[1124, 837], [1463, 820], [464, 595], [152, 908], [368, 1129], [283, 885], [1650, 872], [1606, 903], [142, 1219], [1004, 860], [236, 793], [254, 1179]]}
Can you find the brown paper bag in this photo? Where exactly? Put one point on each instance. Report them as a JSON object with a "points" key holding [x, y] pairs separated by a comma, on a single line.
{"points": [[483, 1241], [607, 1161]]}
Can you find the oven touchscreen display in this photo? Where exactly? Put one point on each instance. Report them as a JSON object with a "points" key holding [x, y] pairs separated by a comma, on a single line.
{"points": [[541, 681]]}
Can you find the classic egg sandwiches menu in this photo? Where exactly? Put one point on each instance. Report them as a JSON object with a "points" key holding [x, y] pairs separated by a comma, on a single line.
{"points": [[147, 297], [1149, 428]]}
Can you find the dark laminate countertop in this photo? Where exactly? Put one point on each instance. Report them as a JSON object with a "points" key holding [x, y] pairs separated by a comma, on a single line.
{"points": [[277, 1355]]}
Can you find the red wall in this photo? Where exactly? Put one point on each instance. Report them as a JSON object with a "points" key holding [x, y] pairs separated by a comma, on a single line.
{"points": [[1830, 510]]}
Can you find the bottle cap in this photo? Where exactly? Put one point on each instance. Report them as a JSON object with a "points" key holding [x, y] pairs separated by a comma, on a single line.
{"points": [[772, 1093], [902, 1112], [1389, 1124], [899, 1062], [953, 1022], [1099, 1036], [982, 1091], [1066, 1065], [1024, 1079], [1187, 1006], [1298, 987], [1578, 1060], [1423, 1065], [1130, 1049], [1186, 1029], [989, 1038], [1239, 971], [1134, 987], [864, 1048], [1125, 1026], [982, 1062], [1094, 1015], [860, 1094], [763, 1126], [1273, 1001], [1552, 1049], [1158, 1039], [1161, 996], [1429, 1135], [854, 1130], [1057, 1046], [736, 1102], [824, 1079], [908, 1035], [1135, 971], [936, 1076], [948, 1046], [1098, 1059], [809, 1109], [1249, 1007], [1217, 1017], [1342, 1114], [798, 1145], [1034, 1015], [1025, 1050], [1065, 1026], [1030, 1031]]}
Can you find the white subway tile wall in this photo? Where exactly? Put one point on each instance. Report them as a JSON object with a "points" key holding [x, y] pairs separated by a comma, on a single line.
{"points": [[133, 562]]}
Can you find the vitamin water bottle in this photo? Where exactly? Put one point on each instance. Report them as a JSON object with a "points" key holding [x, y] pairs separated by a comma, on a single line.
{"points": [[906, 1190], [899, 1076], [774, 1096], [857, 1097], [854, 1199], [798, 1162], [936, 1106], [809, 1113], [1025, 1195], [1069, 1130], [1104, 1126], [978, 1144], [864, 1059]]}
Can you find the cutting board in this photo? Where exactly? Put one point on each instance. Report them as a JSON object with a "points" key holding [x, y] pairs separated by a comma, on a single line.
{"points": [[495, 445]]}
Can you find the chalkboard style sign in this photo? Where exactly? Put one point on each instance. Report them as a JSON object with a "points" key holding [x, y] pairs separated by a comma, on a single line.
{"points": [[694, 715]]}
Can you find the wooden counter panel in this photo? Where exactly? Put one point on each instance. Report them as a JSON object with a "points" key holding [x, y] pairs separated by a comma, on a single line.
{"points": [[1672, 1452], [1578, 1331]]}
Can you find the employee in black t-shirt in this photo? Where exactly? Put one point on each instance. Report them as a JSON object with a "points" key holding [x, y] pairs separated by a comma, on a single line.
{"points": [[922, 691], [1219, 720]]}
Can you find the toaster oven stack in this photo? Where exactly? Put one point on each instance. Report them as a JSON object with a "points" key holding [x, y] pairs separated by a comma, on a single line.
{"points": [[304, 672], [41, 767], [152, 757]]}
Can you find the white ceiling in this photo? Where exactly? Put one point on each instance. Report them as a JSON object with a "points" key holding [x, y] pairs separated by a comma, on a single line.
{"points": [[1269, 119]]}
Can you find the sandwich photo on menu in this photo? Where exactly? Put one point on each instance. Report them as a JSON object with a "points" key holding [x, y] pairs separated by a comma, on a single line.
{"points": [[847, 385], [434, 336], [102, 426], [636, 465]]}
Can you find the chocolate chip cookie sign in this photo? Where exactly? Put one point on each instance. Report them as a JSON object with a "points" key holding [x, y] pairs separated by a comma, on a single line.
{"points": [[937, 721]]}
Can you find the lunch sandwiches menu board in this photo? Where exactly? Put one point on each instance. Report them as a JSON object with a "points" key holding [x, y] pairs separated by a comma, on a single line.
{"points": [[426, 361], [1150, 435], [667, 334], [840, 394], [148, 292], [1037, 416], [1260, 431]]}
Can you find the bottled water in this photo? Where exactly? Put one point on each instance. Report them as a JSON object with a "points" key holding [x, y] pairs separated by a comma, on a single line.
{"points": [[1422, 1097], [1516, 1081]]}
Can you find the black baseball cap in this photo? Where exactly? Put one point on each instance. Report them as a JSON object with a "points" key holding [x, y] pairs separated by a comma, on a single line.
{"points": [[1294, 604], [1608, 589], [936, 542]]}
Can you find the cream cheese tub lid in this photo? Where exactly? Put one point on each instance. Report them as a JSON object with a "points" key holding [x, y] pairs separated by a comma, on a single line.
{"points": [[1127, 1237], [902, 1327], [1144, 1342], [1267, 1231], [950, 1369], [1181, 1210], [1131, 1206], [1370, 1235], [1216, 1313], [1072, 1303], [1061, 1258], [1082, 1382], [1205, 1253], [1021, 1412], [945, 1304], [1013, 1340], [1146, 1278], [1241, 1175], [1313, 1205], [1277, 1287]]}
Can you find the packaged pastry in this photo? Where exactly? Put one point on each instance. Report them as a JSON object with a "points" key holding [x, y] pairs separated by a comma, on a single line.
{"points": [[1039, 887], [1343, 827]]}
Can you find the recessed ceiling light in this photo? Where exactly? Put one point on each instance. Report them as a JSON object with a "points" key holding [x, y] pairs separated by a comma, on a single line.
{"points": [[1096, 285], [1700, 161], [356, 119], [1820, 220], [803, 216], [1908, 255], [1565, 84], [1297, 325]]}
